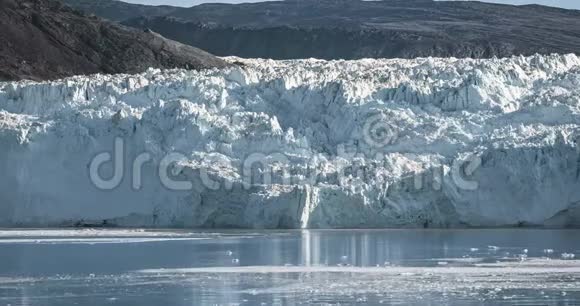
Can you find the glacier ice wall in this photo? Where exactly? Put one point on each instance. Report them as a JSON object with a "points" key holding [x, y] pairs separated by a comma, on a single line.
{"points": [[298, 144]]}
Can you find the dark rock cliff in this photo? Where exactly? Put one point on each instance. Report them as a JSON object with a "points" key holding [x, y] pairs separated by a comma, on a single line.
{"points": [[44, 39]]}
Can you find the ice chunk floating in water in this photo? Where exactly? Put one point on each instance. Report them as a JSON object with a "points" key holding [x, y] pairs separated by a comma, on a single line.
{"points": [[298, 144]]}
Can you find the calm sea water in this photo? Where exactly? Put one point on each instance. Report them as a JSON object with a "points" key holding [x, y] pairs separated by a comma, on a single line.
{"points": [[407, 267]]}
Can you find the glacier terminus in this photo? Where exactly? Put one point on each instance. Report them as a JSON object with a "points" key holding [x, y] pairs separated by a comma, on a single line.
{"points": [[427, 142]]}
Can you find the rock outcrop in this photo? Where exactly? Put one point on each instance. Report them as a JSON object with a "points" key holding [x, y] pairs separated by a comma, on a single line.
{"points": [[44, 39]]}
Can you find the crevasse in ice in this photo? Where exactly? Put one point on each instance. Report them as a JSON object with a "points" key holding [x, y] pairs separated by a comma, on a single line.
{"points": [[299, 144]]}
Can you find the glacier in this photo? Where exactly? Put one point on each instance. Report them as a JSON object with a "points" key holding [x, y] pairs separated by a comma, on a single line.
{"points": [[373, 143]]}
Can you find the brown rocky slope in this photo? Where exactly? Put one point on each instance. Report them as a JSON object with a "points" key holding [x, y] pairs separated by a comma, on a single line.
{"points": [[44, 39]]}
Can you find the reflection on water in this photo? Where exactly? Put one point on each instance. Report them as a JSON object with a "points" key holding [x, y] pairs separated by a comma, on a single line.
{"points": [[426, 267]]}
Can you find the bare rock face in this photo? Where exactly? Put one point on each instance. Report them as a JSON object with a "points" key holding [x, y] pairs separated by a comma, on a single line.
{"points": [[44, 39], [119, 11], [354, 29]]}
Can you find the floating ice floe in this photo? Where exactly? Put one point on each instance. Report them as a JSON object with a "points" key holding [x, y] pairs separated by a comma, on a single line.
{"points": [[568, 256]]}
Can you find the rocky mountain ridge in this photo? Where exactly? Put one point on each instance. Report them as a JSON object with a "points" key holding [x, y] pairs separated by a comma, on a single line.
{"points": [[44, 39]]}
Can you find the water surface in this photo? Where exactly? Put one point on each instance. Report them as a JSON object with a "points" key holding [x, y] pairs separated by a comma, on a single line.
{"points": [[418, 267]]}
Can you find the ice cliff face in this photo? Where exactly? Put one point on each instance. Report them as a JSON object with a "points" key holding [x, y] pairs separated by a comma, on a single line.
{"points": [[298, 144]]}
